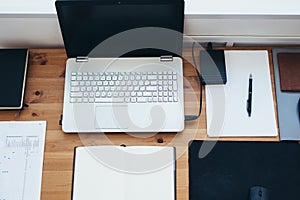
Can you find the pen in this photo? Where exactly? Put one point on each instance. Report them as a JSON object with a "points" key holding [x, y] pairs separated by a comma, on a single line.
{"points": [[249, 100]]}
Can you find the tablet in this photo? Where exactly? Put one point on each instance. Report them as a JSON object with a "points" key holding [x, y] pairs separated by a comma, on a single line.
{"points": [[13, 67]]}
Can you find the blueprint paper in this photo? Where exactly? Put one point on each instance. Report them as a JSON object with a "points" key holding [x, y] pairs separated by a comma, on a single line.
{"points": [[21, 159]]}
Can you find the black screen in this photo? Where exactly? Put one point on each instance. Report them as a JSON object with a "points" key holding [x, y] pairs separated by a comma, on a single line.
{"points": [[86, 24]]}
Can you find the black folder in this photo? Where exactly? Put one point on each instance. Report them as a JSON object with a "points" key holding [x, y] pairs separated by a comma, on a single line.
{"points": [[230, 169]]}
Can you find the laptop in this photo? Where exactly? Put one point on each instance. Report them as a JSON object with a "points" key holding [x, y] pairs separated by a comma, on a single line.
{"points": [[13, 71], [124, 72]]}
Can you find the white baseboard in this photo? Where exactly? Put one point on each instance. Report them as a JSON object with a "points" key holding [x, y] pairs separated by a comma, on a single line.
{"points": [[244, 40], [244, 29]]}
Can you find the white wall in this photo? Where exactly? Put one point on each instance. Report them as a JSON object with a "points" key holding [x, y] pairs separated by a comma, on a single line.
{"points": [[33, 23], [243, 7], [27, 7], [30, 31], [210, 7]]}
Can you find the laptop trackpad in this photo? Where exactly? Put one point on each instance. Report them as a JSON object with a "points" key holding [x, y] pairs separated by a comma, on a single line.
{"points": [[107, 117]]}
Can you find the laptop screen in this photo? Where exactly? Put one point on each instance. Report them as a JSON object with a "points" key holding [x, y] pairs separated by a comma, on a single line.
{"points": [[121, 28]]}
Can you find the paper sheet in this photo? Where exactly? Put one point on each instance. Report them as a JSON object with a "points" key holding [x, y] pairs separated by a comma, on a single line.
{"points": [[21, 159], [227, 104]]}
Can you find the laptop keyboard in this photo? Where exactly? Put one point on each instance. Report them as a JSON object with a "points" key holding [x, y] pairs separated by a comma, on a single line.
{"points": [[123, 87]]}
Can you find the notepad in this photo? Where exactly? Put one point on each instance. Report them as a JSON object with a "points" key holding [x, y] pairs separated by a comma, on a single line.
{"points": [[226, 105], [127, 173]]}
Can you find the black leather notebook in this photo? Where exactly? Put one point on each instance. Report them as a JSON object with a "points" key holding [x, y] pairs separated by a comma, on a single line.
{"points": [[13, 67], [230, 169]]}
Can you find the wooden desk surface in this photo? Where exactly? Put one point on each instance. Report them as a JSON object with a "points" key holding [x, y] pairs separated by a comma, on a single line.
{"points": [[44, 97]]}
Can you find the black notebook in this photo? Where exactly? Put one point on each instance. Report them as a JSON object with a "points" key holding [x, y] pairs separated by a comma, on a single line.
{"points": [[13, 69], [230, 169]]}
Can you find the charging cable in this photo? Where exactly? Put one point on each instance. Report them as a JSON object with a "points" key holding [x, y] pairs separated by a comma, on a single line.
{"points": [[199, 76]]}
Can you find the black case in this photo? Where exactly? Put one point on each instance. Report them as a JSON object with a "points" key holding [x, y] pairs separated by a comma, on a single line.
{"points": [[213, 69]]}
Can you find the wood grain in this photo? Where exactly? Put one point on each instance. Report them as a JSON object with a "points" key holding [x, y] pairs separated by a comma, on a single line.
{"points": [[44, 97]]}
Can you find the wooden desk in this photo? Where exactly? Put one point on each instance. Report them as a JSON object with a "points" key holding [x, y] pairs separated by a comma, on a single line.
{"points": [[44, 97]]}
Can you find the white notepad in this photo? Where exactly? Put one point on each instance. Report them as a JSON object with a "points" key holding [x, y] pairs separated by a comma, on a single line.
{"points": [[226, 105], [124, 173]]}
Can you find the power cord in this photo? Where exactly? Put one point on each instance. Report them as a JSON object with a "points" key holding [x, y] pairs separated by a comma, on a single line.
{"points": [[199, 76]]}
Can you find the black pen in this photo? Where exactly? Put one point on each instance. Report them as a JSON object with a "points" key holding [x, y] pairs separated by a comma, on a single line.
{"points": [[249, 100]]}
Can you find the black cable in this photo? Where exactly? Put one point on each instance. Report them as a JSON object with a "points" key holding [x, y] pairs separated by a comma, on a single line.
{"points": [[199, 76]]}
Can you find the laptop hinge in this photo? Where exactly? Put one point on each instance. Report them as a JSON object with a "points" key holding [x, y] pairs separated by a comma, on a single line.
{"points": [[82, 59], [166, 58]]}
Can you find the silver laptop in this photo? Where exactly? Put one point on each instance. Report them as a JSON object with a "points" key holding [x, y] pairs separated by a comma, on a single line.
{"points": [[124, 72]]}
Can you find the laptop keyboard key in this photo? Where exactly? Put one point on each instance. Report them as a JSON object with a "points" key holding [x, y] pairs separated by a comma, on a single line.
{"points": [[129, 87]]}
